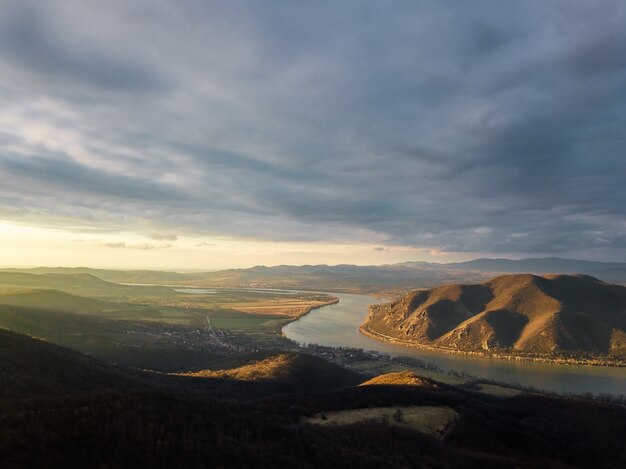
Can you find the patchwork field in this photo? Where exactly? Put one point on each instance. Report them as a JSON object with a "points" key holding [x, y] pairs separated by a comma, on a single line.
{"points": [[149, 326]]}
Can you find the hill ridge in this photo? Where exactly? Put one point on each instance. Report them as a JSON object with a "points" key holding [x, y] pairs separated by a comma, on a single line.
{"points": [[518, 313], [352, 278]]}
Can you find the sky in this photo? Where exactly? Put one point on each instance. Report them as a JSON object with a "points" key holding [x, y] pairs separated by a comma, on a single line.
{"points": [[203, 135]]}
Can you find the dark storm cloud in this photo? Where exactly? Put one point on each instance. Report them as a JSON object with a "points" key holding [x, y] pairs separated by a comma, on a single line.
{"points": [[484, 127], [65, 174], [48, 48]]}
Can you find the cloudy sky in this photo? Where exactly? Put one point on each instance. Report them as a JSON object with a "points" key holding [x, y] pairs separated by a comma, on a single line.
{"points": [[198, 134]]}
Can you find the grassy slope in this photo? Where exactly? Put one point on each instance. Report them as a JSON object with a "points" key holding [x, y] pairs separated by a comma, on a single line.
{"points": [[525, 313], [401, 378], [110, 275], [81, 284], [51, 299], [129, 342], [292, 370], [31, 366], [162, 334], [432, 420]]}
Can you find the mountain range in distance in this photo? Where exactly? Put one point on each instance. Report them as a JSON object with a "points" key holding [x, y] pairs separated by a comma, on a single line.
{"points": [[344, 277], [514, 314]]}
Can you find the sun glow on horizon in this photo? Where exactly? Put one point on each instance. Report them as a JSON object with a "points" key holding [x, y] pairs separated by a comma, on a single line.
{"points": [[25, 245]]}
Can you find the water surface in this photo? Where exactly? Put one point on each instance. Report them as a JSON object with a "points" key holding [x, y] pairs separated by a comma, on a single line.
{"points": [[338, 325]]}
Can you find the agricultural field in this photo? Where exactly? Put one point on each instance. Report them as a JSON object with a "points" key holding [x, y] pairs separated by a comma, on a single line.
{"points": [[168, 328]]}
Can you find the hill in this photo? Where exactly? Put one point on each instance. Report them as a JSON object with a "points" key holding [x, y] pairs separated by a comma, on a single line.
{"points": [[518, 314], [34, 367], [404, 378], [535, 265], [81, 284], [62, 409], [128, 342], [348, 278], [345, 277], [51, 300], [289, 370], [76, 284], [114, 276]]}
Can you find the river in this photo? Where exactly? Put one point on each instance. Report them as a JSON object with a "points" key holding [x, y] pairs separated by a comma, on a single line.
{"points": [[337, 325]]}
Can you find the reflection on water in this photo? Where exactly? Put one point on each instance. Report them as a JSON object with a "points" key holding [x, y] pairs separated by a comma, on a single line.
{"points": [[337, 325]]}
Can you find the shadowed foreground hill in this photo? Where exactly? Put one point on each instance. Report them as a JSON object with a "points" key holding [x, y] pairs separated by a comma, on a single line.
{"points": [[522, 313], [66, 410], [34, 367]]}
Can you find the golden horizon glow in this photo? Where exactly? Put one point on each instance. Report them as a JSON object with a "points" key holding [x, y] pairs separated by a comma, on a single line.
{"points": [[24, 245]]}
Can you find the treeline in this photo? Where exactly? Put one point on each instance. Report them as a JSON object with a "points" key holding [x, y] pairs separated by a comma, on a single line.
{"points": [[148, 429], [156, 429]]}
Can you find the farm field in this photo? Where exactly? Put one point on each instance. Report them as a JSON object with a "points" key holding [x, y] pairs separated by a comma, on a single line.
{"points": [[158, 327]]}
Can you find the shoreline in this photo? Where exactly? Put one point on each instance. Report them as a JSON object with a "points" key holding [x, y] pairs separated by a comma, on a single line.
{"points": [[306, 311], [363, 329]]}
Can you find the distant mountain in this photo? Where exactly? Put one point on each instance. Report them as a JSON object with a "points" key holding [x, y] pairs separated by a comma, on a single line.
{"points": [[343, 277], [115, 276], [536, 265], [78, 283], [520, 313], [403, 275], [49, 299], [346, 278]]}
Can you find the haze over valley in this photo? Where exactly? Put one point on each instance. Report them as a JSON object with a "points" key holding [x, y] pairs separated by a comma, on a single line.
{"points": [[312, 234]]}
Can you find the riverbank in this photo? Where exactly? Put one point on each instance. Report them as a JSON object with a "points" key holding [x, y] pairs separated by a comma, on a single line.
{"points": [[333, 301], [304, 312], [599, 362]]}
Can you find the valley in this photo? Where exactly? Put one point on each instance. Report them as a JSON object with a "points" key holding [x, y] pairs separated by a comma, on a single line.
{"points": [[175, 360], [153, 327], [294, 407]]}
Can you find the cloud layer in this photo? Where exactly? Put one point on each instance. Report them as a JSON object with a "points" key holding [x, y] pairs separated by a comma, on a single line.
{"points": [[464, 127]]}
